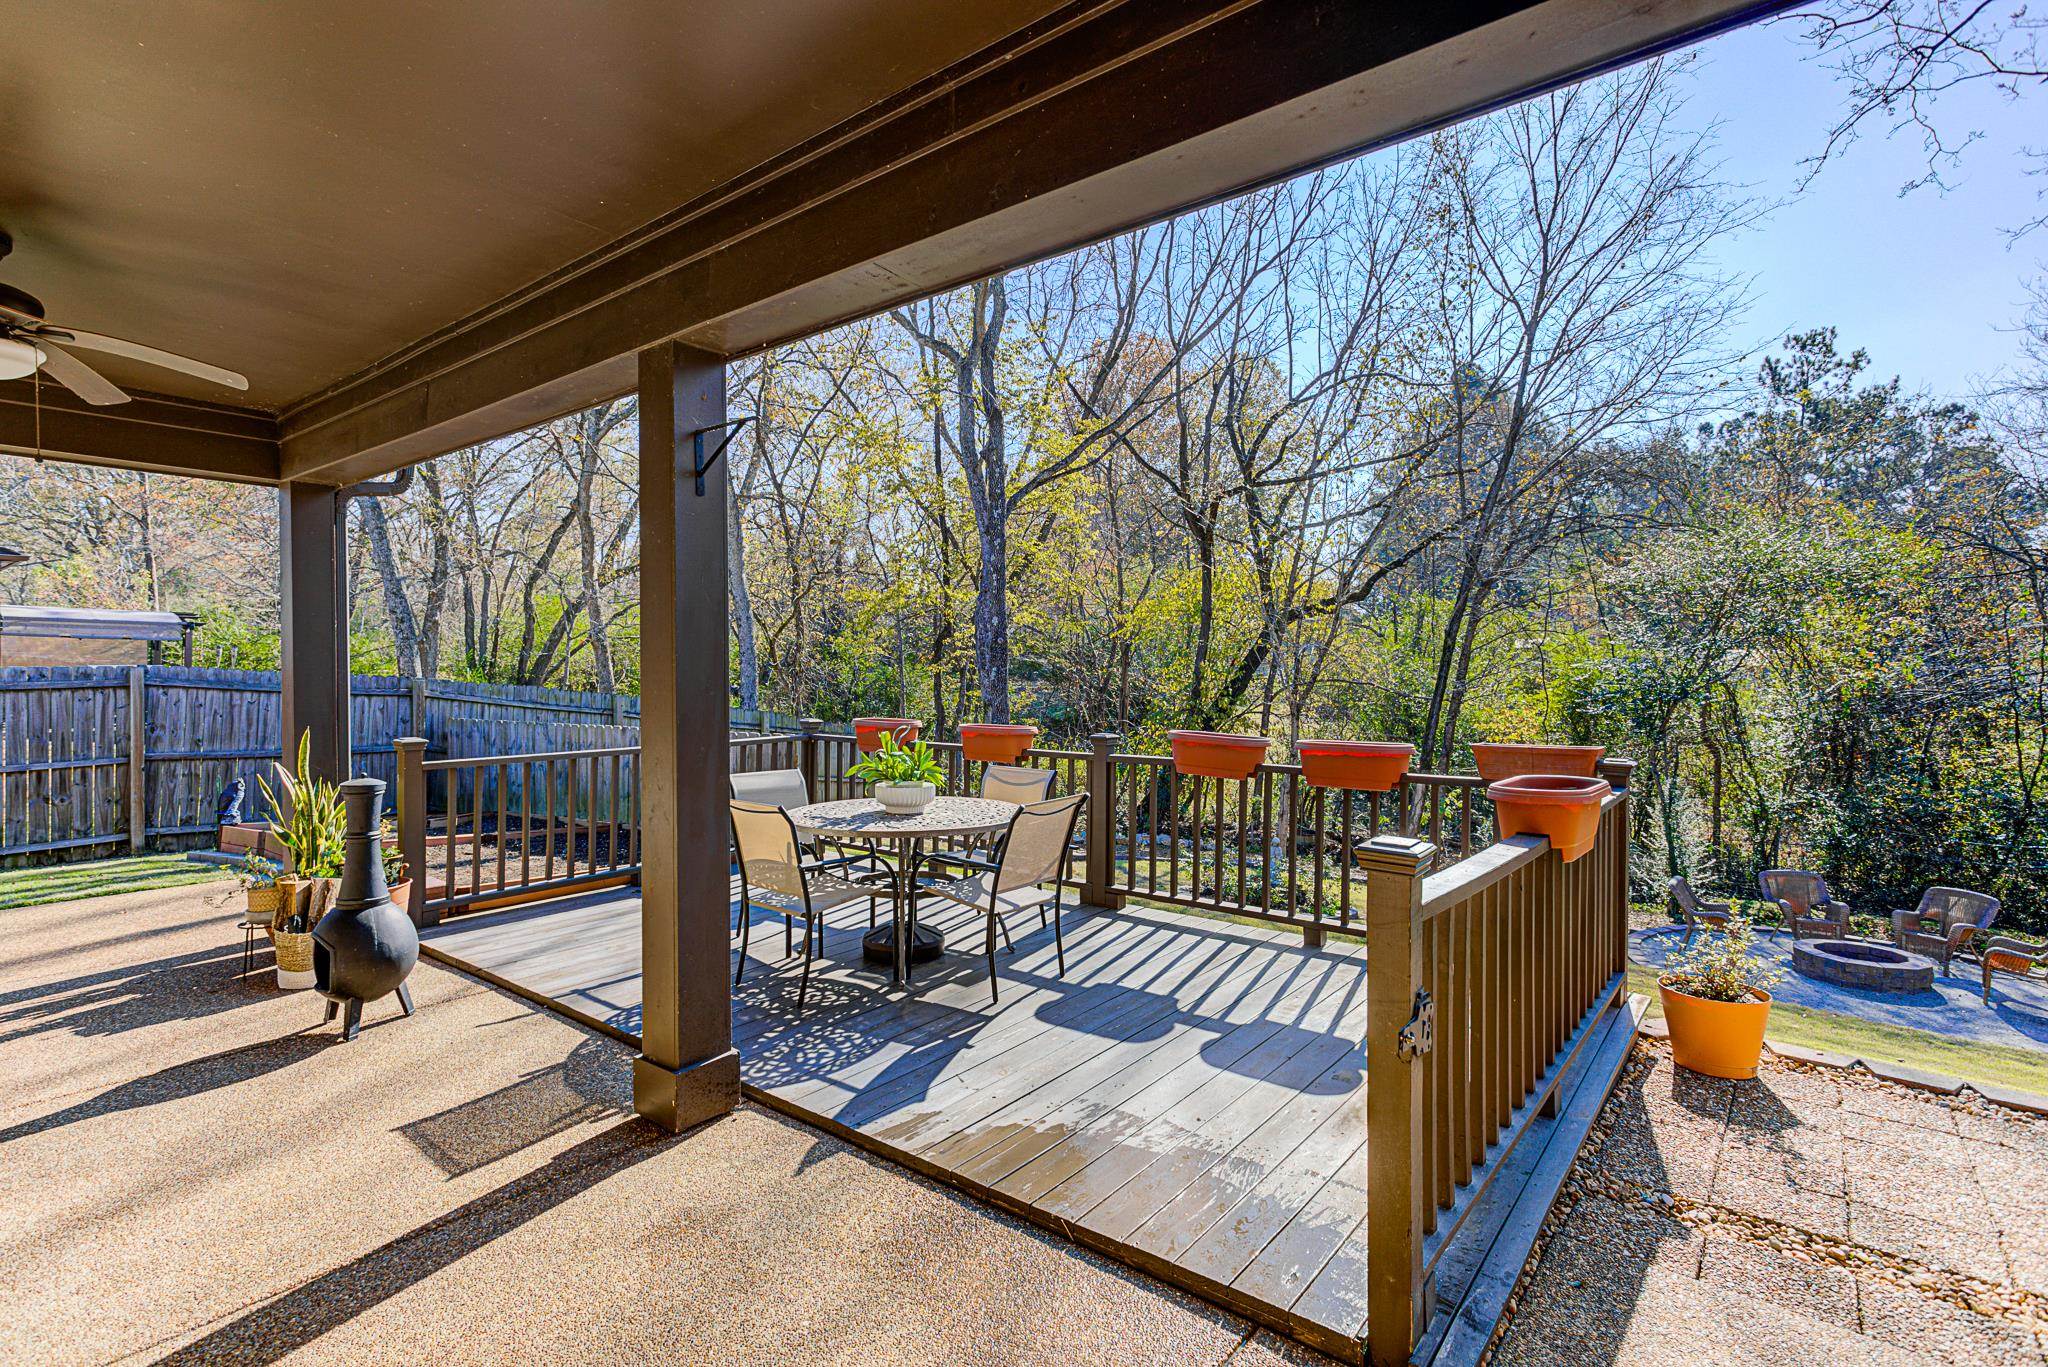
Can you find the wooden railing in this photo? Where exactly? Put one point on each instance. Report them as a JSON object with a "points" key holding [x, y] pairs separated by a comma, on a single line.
{"points": [[1485, 979], [490, 831]]}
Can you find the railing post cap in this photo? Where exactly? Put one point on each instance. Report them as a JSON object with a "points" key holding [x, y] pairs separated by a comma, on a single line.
{"points": [[811, 723], [409, 743], [1618, 772], [1396, 852], [1105, 737]]}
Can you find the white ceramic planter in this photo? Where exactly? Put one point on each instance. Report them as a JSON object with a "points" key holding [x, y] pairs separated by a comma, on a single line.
{"points": [[905, 799], [294, 982]]}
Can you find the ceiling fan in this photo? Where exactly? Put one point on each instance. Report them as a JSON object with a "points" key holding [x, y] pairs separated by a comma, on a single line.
{"points": [[28, 343]]}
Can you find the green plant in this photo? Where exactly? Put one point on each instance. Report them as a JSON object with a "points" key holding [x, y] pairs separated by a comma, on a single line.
{"points": [[394, 858], [1723, 966], [255, 872], [313, 824], [894, 763]]}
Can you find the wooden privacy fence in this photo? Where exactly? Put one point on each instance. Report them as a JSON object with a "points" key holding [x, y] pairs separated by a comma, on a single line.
{"points": [[68, 736]]}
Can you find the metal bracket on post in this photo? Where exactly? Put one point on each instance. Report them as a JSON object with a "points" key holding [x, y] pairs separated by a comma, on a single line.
{"points": [[704, 462], [1418, 1036]]}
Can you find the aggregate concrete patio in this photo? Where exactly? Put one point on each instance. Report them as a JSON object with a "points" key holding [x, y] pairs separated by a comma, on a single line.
{"points": [[191, 1169], [2017, 1016]]}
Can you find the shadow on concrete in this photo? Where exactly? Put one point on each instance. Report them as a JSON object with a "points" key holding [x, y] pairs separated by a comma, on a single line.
{"points": [[301, 1316], [594, 1081], [180, 1081]]}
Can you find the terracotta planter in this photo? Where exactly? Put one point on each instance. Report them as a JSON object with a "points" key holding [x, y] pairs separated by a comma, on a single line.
{"points": [[1565, 809], [1496, 762], [1720, 1039], [995, 742], [1212, 754], [1365, 766], [868, 731]]}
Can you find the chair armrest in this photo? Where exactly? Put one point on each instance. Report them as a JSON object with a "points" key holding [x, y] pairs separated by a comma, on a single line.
{"points": [[1960, 936], [2005, 944], [1717, 909], [965, 861]]}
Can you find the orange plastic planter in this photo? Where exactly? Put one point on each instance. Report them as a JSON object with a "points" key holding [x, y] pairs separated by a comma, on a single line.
{"points": [[1720, 1039], [1213, 754], [868, 731], [1565, 809], [995, 742], [1496, 762], [1365, 766]]}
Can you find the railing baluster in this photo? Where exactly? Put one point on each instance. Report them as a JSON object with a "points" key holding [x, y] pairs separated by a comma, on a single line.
{"points": [[498, 772]]}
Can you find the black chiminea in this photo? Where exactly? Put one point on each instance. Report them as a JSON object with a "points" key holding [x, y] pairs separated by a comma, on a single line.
{"points": [[364, 946]]}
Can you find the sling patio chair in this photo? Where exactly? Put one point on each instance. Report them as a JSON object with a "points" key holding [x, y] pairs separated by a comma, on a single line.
{"points": [[1808, 907], [1946, 920], [1033, 851], [1005, 783], [786, 788], [1689, 907], [2003, 954], [775, 878]]}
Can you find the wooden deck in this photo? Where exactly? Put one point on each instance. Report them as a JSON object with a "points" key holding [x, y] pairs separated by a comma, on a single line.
{"points": [[1190, 1099]]}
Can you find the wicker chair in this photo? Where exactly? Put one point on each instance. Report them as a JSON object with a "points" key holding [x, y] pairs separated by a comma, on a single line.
{"points": [[1689, 907], [1808, 907], [1036, 849], [1946, 920], [2004, 955], [775, 877]]}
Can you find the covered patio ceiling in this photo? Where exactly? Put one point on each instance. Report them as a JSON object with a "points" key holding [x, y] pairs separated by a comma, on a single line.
{"points": [[419, 225]]}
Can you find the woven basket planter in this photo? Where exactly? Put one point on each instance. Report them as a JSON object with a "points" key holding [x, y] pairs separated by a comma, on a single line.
{"points": [[294, 952], [263, 904]]}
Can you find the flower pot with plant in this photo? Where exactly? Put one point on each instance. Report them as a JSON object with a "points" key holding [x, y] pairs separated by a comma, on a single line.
{"points": [[1716, 1003], [905, 779], [395, 871], [291, 934], [258, 877], [310, 826]]}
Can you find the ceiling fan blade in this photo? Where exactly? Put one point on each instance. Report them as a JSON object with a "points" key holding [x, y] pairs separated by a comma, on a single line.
{"points": [[78, 377], [136, 351]]}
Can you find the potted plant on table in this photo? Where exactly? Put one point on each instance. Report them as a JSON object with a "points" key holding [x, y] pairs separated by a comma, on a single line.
{"points": [[1716, 1003], [905, 779], [258, 877], [311, 830]]}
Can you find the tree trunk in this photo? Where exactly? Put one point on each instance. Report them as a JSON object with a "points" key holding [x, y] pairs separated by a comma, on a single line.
{"points": [[404, 629]]}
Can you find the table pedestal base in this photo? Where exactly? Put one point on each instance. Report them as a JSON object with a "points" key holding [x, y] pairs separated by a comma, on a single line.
{"points": [[878, 946]]}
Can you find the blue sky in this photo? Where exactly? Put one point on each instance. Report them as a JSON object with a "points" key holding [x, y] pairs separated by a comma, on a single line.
{"points": [[1926, 283]]}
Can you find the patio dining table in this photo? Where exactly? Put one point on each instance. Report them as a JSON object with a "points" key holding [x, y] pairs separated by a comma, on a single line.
{"points": [[946, 820]]}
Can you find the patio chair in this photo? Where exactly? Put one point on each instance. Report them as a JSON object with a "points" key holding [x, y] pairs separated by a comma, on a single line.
{"points": [[786, 788], [1808, 907], [775, 878], [2002, 954], [1946, 920], [1033, 851], [1690, 908], [1005, 783]]}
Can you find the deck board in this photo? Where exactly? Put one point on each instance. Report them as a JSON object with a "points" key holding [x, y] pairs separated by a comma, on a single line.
{"points": [[1190, 1097]]}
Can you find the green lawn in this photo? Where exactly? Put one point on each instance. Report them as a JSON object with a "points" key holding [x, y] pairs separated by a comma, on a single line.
{"points": [[1838, 1034], [101, 877]]}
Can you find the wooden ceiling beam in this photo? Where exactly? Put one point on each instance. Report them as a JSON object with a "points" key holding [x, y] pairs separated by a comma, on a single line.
{"points": [[150, 432]]}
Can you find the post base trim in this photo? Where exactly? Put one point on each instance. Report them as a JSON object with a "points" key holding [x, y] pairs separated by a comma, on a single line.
{"points": [[678, 1098]]}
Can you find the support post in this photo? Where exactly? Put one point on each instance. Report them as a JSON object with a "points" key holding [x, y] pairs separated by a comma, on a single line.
{"points": [[315, 644], [412, 824], [1399, 1301], [807, 752], [688, 1070], [1097, 887], [138, 757]]}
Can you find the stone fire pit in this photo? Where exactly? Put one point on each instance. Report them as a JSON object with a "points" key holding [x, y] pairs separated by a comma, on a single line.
{"points": [[1852, 963]]}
